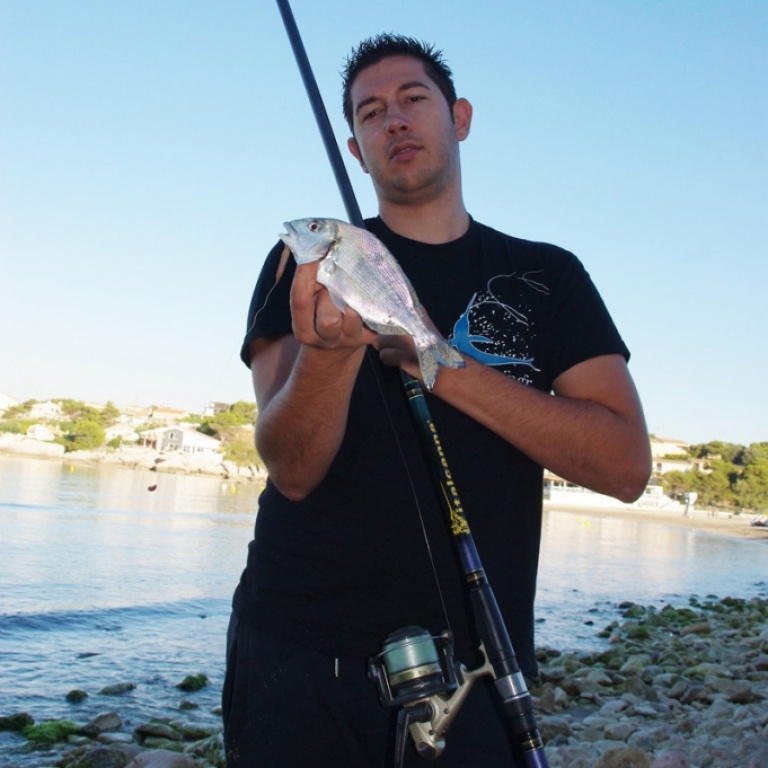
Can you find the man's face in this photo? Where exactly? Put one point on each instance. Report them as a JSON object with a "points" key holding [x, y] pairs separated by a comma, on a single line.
{"points": [[405, 135]]}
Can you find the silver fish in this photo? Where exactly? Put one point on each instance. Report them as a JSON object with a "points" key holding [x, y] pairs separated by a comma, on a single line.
{"points": [[359, 272]]}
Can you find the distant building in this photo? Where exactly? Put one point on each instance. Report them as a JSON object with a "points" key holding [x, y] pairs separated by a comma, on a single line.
{"points": [[664, 452], [6, 402], [161, 413], [46, 410], [125, 432], [672, 456], [179, 438], [134, 415], [214, 409], [661, 446], [41, 432]]}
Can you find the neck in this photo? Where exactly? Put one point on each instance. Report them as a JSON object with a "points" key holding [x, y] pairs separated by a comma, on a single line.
{"points": [[440, 221]]}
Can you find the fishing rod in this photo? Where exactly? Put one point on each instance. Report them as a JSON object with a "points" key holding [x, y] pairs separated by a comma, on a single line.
{"points": [[416, 670]]}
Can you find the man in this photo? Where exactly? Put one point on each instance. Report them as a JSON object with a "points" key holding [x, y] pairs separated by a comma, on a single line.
{"points": [[351, 542]]}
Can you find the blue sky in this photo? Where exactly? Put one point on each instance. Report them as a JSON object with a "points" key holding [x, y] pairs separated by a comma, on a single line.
{"points": [[150, 151]]}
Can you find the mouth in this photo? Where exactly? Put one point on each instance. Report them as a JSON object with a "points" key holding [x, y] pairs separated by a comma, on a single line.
{"points": [[404, 150], [289, 231]]}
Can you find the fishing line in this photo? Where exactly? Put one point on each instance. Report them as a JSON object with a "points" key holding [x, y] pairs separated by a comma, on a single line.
{"points": [[280, 270], [426, 713], [398, 443], [356, 217]]}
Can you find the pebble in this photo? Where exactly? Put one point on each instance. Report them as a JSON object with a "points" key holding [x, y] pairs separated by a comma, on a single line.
{"points": [[677, 688], [680, 688]]}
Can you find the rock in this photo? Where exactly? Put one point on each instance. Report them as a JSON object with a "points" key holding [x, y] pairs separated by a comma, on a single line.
{"points": [[75, 696], [550, 727], [108, 721], [17, 722], [672, 699], [734, 690], [27, 446], [161, 758], [193, 682], [623, 757], [158, 729], [51, 731], [694, 693], [635, 665], [671, 760], [706, 669], [620, 731], [702, 628], [117, 689], [101, 757], [197, 731]]}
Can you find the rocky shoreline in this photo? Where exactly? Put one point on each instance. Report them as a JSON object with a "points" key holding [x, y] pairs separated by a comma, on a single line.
{"points": [[676, 687], [173, 462]]}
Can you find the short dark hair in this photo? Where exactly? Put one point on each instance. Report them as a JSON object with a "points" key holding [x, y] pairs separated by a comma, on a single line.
{"points": [[373, 49]]}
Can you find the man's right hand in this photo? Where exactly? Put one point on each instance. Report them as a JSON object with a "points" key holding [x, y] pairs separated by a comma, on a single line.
{"points": [[317, 321]]}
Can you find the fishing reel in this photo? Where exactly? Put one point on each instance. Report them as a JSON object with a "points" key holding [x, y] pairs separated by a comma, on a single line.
{"points": [[417, 672]]}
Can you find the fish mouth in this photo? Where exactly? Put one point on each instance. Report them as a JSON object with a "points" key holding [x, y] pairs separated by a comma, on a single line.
{"points": [[289, 231]]}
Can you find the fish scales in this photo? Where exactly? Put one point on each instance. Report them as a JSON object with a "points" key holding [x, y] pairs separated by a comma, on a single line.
{"points": [[359, 272], [375, 286]]}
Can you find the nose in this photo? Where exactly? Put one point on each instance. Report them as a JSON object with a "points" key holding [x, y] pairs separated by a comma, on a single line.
{"points": [[396, 122]]}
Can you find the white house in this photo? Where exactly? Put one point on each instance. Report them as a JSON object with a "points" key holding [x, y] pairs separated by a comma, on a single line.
{"points": [[41, 432], [6, 402], [46, 410], [178, 438], [662, 446], [125, 432], [135, 414], [214, 409], [161, 413]]}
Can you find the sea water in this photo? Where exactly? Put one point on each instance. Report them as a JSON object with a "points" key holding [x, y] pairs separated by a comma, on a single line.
{"points": [[110, 575]]}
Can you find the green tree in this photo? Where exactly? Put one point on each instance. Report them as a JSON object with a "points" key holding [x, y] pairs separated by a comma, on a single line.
{"points": [[676, 483], [110, 414], [240, 414], [15, 426], [84, 435], [717, 448], [20, 410], [715, 487], [239, 447], [751, 488], [756, 451], [244, 411]]}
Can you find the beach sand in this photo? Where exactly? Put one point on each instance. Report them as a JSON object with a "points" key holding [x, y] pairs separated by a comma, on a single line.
{"points": [[718, 523]]}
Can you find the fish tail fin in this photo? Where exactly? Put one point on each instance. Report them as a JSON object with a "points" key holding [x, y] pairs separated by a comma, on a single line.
{"points": [[431, 357]]}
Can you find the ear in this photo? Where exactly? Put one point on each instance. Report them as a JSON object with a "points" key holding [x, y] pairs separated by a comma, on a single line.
{"points": [[355, 150], [462, 118]]}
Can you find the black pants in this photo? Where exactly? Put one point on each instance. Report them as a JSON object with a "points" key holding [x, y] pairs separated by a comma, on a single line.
{"points": [[288, 707]]}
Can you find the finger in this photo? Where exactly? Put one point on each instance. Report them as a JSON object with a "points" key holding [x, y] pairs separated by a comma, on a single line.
{"points": [[398, 351], [303, 291], [396, 343], [328, 317]]}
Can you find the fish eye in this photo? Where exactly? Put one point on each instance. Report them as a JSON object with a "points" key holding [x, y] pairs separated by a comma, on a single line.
{"points": [[313, 226]]}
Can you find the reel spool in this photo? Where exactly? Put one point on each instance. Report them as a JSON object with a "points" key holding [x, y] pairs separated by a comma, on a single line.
{"points": [[413, 665]]}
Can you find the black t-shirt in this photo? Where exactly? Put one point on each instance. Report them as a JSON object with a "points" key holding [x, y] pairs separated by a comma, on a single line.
{"points": [[341, 569]]}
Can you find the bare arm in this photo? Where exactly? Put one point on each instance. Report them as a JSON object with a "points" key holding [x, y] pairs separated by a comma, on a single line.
{"points": [[303, 384], [591, 432]]}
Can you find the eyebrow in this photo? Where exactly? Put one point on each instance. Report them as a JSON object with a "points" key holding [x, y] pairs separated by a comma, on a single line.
{"points": [[404, 87]]}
